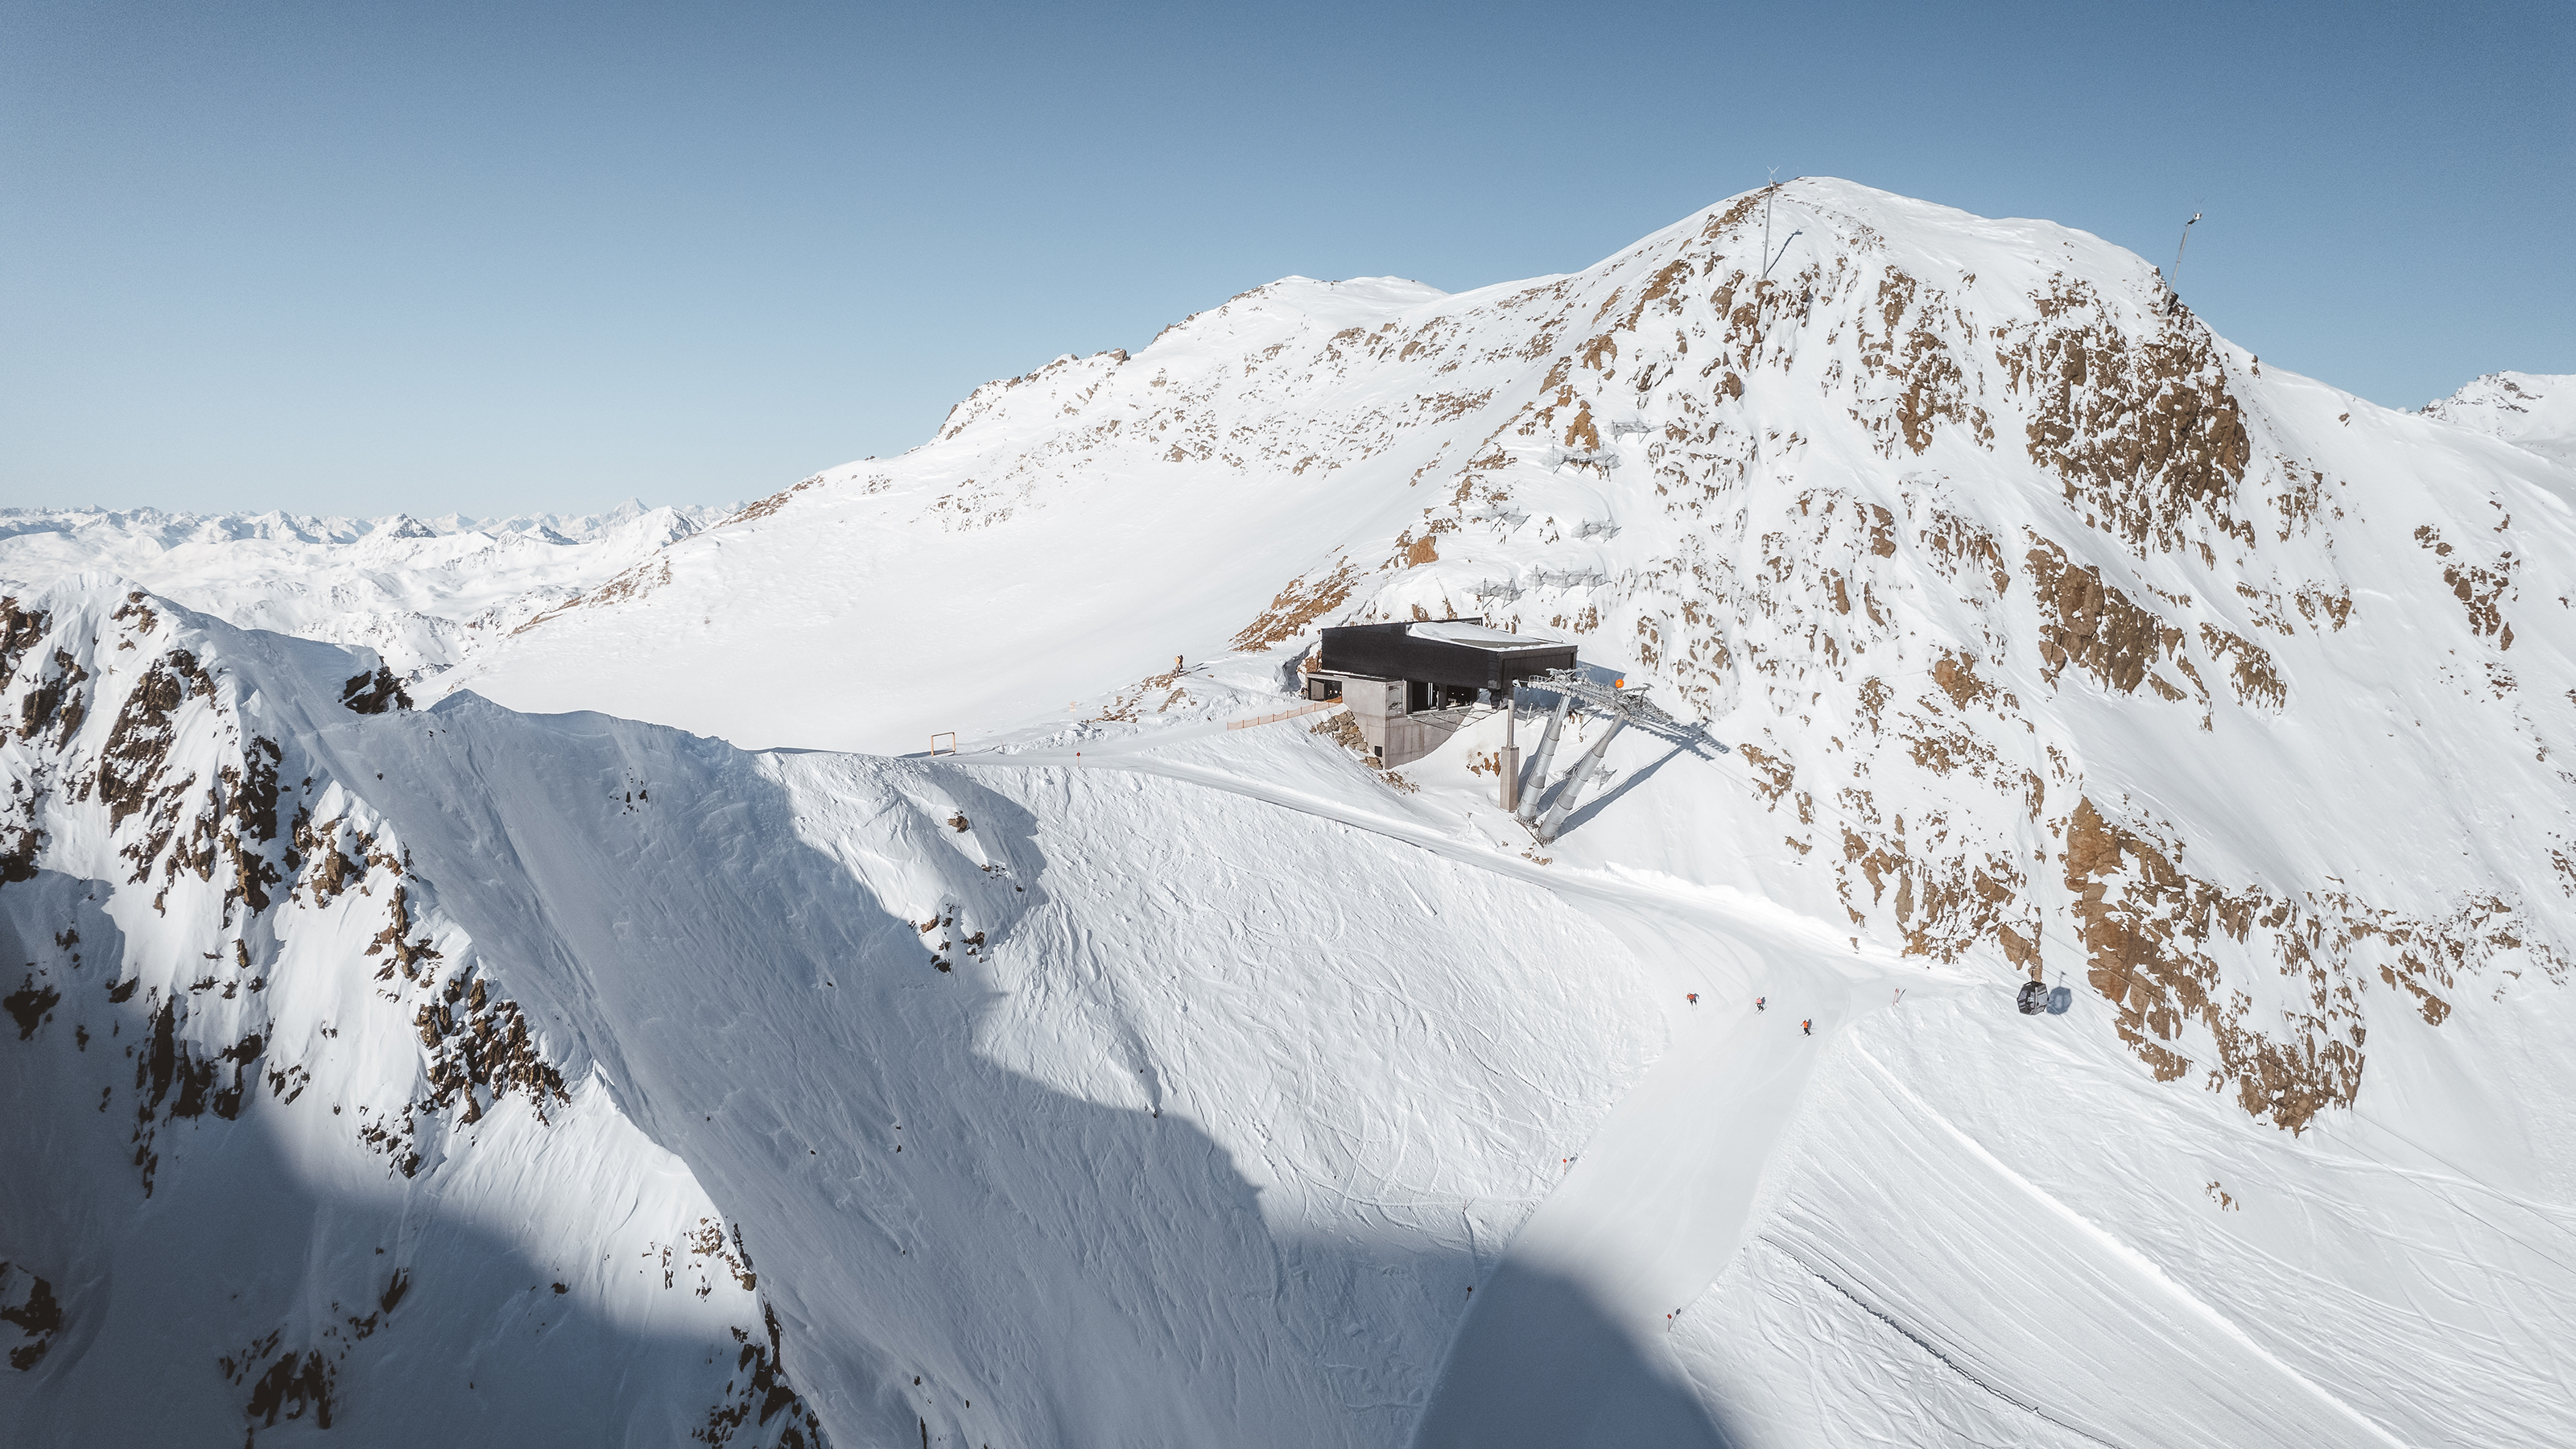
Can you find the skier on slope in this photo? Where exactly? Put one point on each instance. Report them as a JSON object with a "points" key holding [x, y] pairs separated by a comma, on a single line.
{"points": [[1807, 1027], [1757, 1002]]}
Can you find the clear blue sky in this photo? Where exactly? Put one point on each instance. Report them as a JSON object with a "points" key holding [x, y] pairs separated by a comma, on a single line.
{"points": [[356, 258]]}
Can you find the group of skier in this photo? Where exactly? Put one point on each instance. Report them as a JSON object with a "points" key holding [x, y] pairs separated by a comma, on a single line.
{"points": [[1763, 1003]]}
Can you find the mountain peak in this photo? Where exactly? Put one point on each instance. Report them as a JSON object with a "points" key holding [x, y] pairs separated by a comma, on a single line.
{"points": [[2533, 411]]}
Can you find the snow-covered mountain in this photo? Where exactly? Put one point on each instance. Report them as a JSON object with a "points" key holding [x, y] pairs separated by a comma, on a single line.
{"points": [[2528, 410], [423, 593], [1134, 1079]]}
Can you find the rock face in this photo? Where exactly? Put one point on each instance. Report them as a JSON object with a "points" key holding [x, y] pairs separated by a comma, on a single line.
{"points": [[1209, 1086]]}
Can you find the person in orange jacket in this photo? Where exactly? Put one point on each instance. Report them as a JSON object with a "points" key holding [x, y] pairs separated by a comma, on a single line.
{"points": [[1807, 1027]]}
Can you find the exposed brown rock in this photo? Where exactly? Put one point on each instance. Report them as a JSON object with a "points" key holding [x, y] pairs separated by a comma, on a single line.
{"points": [[1925, 384], [1773, 775], [291, 1386], [1958, 679], [130, 767], [485, 1046], [2141, 430], [1298, 605], [27, 1303], [56, 699], [2148, 928], [20, 631], [2479, 588], [2093, 626], [2257, 683]]}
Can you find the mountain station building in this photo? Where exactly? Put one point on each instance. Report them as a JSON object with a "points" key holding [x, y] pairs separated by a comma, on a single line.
{"points": [[1410, 685]]}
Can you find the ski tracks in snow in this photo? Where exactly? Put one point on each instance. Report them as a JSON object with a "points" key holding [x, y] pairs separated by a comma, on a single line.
{"points": [[1569, 1337], [2141, 1282], [1565, 1343]]}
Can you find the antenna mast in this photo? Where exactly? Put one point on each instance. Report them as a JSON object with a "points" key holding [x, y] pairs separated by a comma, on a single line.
{"points": [[1770, 184], [1769, 261], [2176, 279]]}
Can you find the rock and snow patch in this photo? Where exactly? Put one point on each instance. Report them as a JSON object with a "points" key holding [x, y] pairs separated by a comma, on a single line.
{"points": [[319, 1160]]}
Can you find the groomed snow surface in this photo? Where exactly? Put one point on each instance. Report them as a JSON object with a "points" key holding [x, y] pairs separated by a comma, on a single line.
{"points": [[1130, 1079]]}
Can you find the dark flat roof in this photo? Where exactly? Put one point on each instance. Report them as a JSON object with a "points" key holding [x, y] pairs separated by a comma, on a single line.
{"points": [[1467, 653]]}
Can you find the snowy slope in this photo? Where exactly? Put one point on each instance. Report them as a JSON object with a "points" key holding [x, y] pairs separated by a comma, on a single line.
{"points": [[1255, 1063], [1121, 1154], [1284, 1101], [423, 593], [2525, 409]]}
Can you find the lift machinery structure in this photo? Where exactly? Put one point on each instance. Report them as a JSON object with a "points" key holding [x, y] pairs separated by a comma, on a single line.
{"points": [[1620, 705]]}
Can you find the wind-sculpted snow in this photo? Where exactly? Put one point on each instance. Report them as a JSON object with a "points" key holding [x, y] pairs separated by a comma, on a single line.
{"points": [[998, 1104]]}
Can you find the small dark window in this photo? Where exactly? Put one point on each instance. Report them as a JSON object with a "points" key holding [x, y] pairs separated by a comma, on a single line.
{"points": [[1323, 689]]}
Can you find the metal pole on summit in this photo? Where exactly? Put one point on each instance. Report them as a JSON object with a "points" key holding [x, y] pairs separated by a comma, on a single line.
{"points": [[2176, 280], [1770, 186], [1769, 190]]}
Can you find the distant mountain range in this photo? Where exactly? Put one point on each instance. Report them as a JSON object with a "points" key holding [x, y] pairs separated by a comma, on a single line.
{"points": [[423, 593]]}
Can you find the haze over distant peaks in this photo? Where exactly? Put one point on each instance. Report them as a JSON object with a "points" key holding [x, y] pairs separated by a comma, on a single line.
{"points": [[424, 593]]}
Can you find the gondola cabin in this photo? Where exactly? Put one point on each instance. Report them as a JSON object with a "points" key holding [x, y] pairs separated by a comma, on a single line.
{"points": [[1410, 685]]}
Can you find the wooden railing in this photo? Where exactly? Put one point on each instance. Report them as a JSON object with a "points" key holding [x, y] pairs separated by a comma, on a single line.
{"points": [[1262, 719]]}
